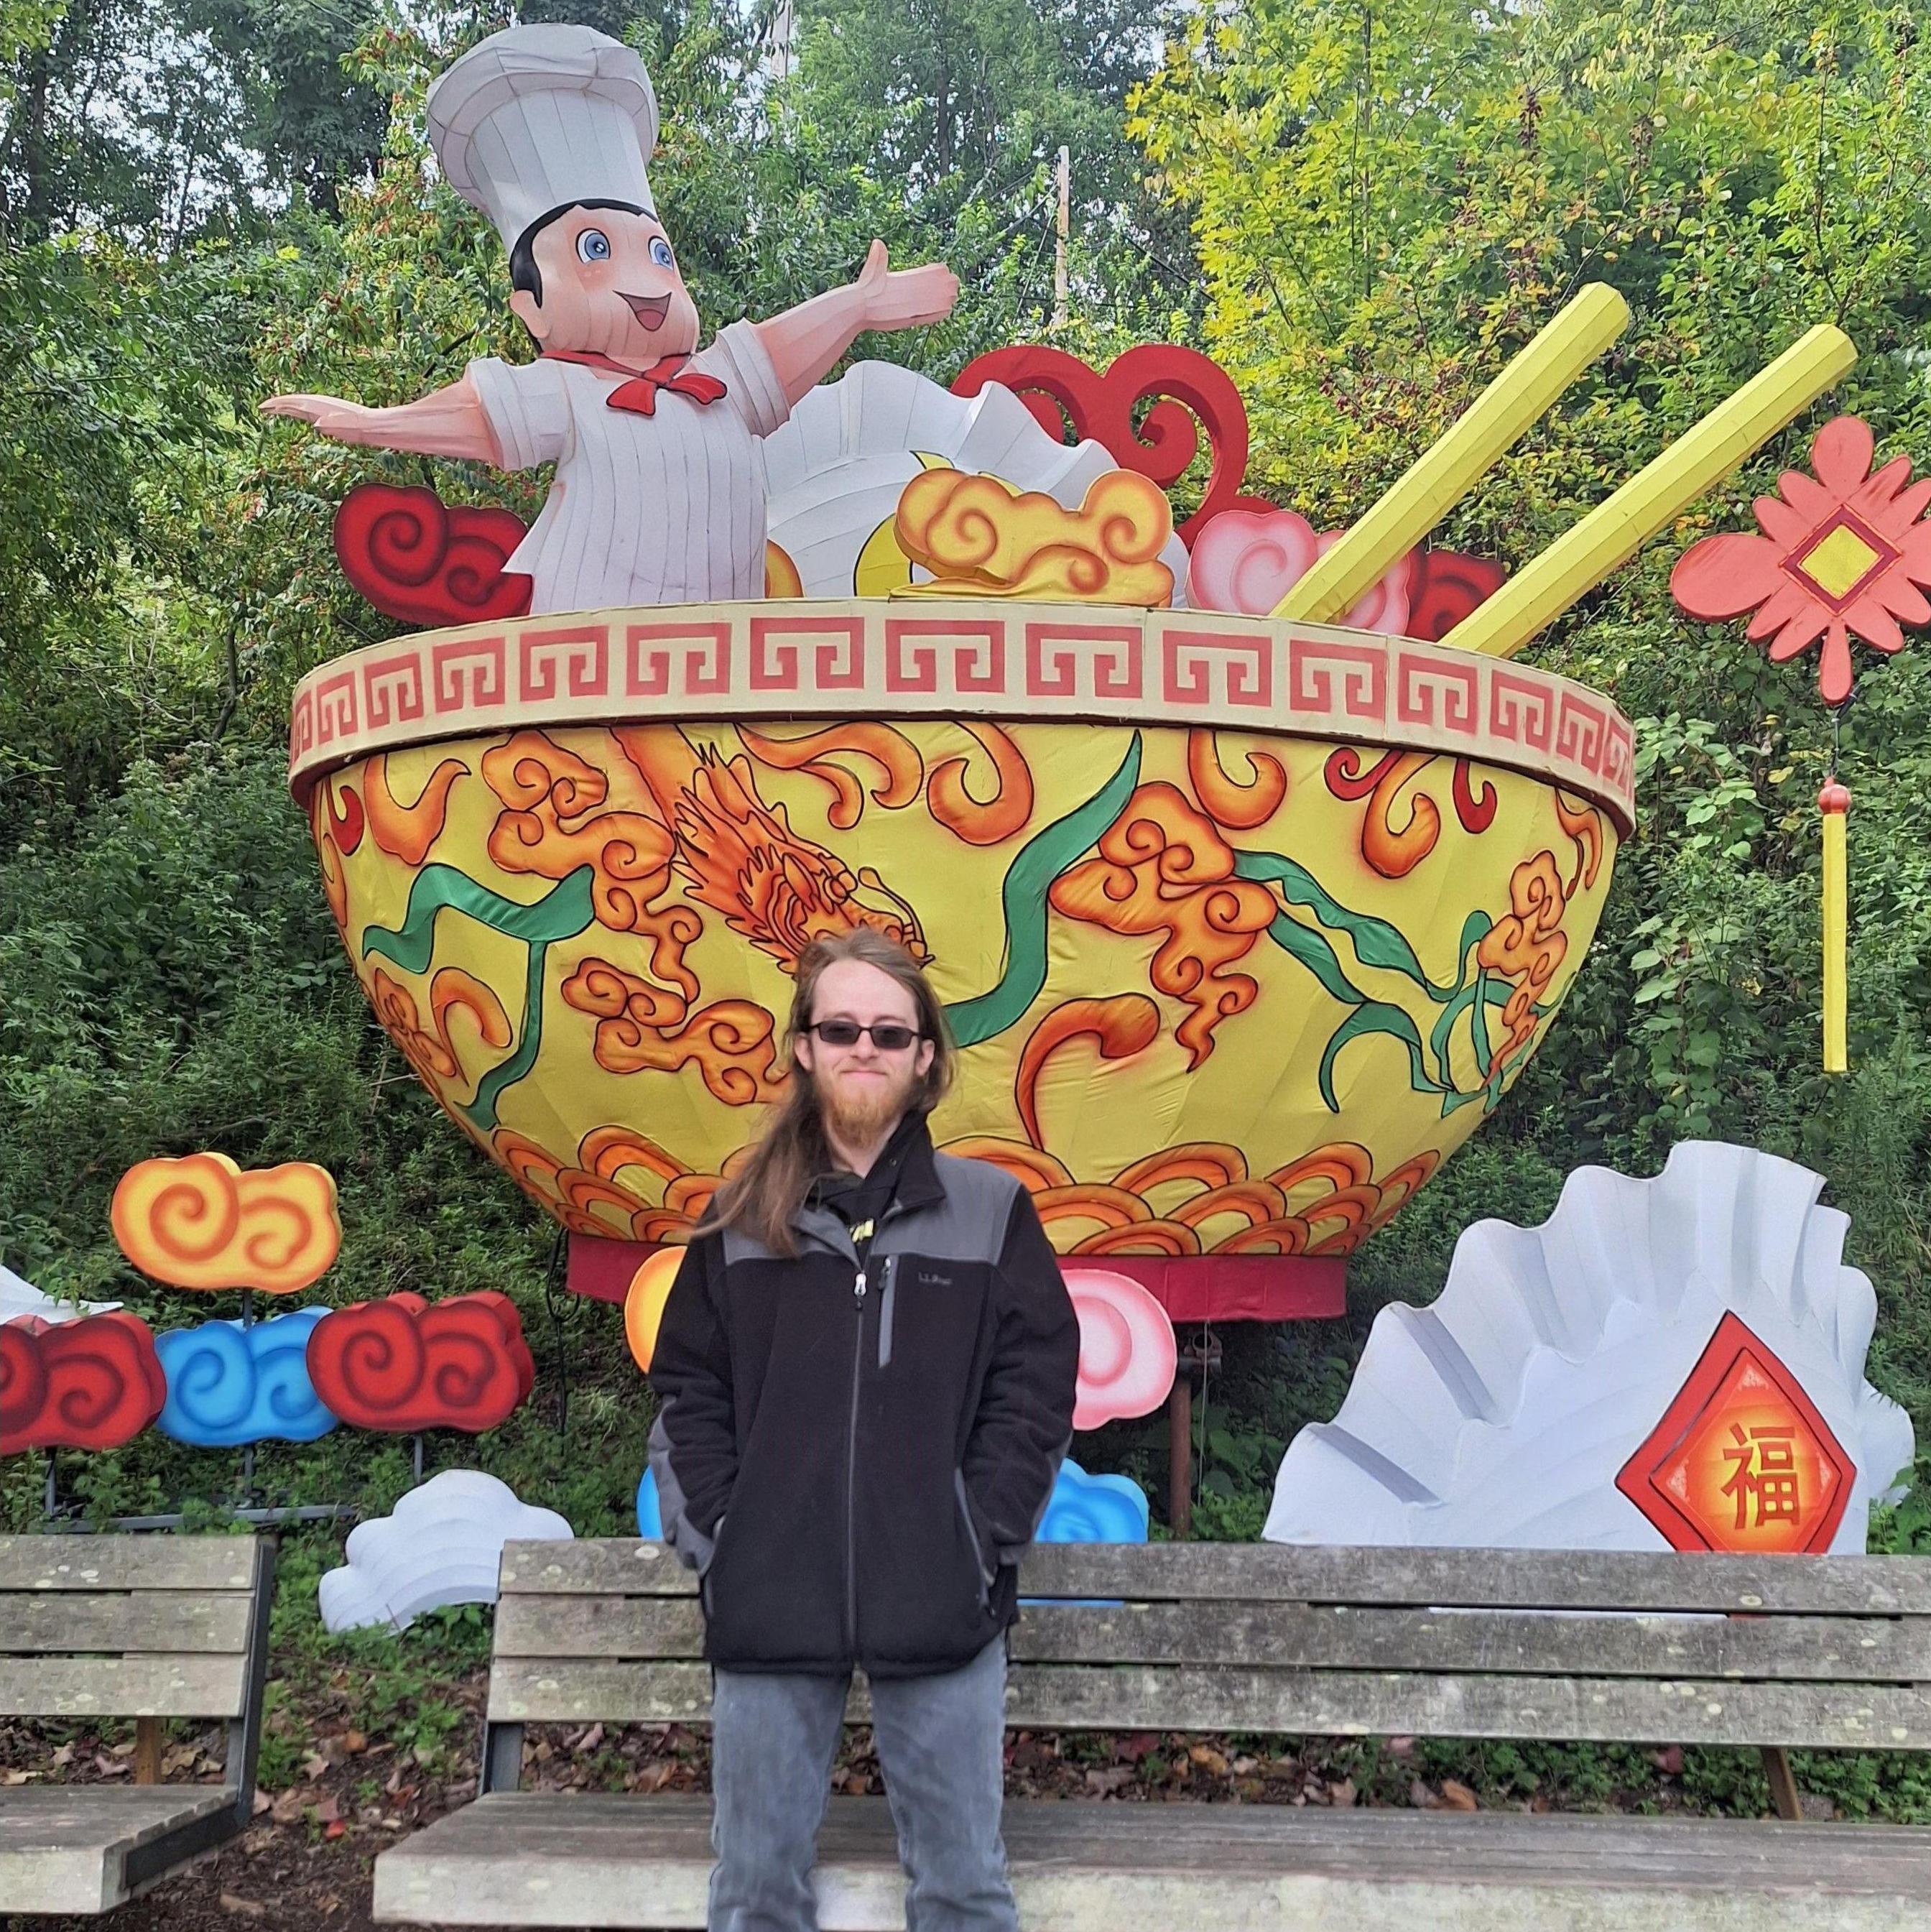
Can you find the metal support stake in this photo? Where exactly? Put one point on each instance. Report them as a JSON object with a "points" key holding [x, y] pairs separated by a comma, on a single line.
{"points": [[556, 1299], [1198, 1360], [1180, 1456], [248, 1449]]}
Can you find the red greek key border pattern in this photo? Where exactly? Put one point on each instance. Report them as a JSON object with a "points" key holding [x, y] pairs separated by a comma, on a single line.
{"points": [[858, 657]]}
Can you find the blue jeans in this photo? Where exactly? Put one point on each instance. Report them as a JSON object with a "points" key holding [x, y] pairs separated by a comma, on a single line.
{"points": [[941, 1745]]}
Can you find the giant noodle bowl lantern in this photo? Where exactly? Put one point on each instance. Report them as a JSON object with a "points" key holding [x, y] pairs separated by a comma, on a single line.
{"points": [[1243, 923]]}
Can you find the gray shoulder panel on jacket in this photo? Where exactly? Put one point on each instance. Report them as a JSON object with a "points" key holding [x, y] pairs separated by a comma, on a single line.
{"points": [[739, 1246], [970, 1225]]}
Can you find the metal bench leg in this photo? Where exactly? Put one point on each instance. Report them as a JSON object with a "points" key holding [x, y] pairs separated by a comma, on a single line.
{"points": [[244, 1732], [1782, 1785], [502, 1759]]}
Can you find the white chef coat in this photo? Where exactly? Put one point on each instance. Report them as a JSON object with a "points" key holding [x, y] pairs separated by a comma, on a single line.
{"points": [[665, 508]]}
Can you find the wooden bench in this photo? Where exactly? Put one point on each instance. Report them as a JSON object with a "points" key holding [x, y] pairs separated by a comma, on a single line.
{"points": [[1811, 1652], [149, 1627]]}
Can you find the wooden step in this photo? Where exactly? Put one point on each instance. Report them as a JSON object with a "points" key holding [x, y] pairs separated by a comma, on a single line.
{"points": [[540, 1858]]}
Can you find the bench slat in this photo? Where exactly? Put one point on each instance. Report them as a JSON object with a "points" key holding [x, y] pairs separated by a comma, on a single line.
{"points": [[1149, 1834], [1586, 1580], [1324, 1703], [550, 1860], [1831, 1649], [64, 1849], [174, 1621], [98, 1563], [130, 1686], [1367, 1638]]}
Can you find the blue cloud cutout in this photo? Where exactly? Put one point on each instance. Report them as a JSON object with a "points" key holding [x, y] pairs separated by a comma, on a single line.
{"points": [[1091, 1509], [228, 1384], [1094, 1509]]}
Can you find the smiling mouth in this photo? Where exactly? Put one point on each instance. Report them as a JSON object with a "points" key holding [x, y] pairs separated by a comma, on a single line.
{"points": [[648, 309]]}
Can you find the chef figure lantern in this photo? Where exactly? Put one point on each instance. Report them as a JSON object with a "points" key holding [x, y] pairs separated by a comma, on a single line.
{"points": [[659, 492]]}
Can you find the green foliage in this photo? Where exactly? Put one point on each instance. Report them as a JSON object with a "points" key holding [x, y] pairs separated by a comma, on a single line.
{"points": [[1363, 210], [113, 377], [1387, 201], [174, 122]]}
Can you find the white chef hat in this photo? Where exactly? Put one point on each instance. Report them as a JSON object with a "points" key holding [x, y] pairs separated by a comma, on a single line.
{"points": [[541, 117]]}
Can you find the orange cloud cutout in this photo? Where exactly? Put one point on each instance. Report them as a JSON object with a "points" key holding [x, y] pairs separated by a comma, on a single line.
{"points": [[200, 1222], [980, 537], [643, 1303]]}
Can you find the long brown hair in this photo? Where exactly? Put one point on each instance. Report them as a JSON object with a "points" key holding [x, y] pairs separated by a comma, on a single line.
{"points": [[762, 1197]]}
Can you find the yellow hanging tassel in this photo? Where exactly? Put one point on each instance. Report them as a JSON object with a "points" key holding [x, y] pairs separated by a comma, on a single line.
{"points": [[1834, 801]]}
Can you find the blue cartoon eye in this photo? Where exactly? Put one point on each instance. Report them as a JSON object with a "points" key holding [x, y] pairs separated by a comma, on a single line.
{"points": [[593, 245], [660, 253]]}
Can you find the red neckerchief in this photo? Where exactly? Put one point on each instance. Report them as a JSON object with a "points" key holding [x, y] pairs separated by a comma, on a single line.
{"points": [[640, 392]]}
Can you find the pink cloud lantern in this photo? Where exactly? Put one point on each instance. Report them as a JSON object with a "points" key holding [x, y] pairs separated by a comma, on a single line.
{"points": [[1127, 1358], [1248, 560]]}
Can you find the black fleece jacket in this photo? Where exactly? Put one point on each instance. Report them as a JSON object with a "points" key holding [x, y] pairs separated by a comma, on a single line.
{"points": [[875, 1426]]}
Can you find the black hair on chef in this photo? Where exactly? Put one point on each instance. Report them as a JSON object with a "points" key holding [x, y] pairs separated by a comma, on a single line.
{"points": [[524, 274]]}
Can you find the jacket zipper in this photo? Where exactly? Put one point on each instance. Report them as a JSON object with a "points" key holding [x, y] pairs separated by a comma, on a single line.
{"points": [[851, 1468], [859, 1286]]}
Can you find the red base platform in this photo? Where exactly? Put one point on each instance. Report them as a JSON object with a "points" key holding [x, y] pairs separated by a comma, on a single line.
{"points": [[1191, 1288]]}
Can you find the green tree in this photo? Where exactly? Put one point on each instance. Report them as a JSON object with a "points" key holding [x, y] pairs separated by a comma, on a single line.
{"points": [[164, 124], [1389, 196], [116, 378]]}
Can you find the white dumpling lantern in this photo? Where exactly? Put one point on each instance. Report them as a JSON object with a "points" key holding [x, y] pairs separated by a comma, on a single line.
{"points": [[1677, 1362]]}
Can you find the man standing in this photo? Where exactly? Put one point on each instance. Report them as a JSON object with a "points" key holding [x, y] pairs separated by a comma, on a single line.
{"points": [[659, 491], [866, 1372]]}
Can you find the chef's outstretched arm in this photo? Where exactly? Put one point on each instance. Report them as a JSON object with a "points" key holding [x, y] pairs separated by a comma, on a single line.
{"points": [[804, 342], [447, 422]]}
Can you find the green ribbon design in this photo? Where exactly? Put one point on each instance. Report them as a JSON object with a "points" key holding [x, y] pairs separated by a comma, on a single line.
{"points": [[562, 912]]}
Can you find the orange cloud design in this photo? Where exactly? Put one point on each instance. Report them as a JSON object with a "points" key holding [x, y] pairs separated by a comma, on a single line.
{"points": [[201, 1222], [979, 537]]}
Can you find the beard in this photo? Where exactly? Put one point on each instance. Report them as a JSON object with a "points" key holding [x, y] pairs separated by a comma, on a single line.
{"points": [[863, 1119]]}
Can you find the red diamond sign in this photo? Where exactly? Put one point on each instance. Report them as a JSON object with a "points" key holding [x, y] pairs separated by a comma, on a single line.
{"points": [[1741, 1460]]}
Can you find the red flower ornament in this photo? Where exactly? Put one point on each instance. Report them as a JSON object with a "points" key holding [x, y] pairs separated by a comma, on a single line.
{"points": [[1841, 551]]}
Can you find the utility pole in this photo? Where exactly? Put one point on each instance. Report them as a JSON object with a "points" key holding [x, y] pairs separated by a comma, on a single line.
{"points": [[784, 40], [1059, 243]]}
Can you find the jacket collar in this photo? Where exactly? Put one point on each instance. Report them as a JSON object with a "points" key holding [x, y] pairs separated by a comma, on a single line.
{"points": [[918, 1183], [919, 1186]]}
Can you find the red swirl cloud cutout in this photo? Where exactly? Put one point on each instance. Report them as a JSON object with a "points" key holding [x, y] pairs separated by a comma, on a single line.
{"points": [[92, 1384], [403, 1365], [1127, 1356]]}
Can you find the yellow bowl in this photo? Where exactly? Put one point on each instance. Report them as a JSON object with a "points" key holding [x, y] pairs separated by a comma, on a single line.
{"points": [[1243, 926]]}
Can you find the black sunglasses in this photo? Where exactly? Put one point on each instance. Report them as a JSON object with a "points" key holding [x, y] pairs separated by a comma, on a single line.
{"points": [[888, 1036]]}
